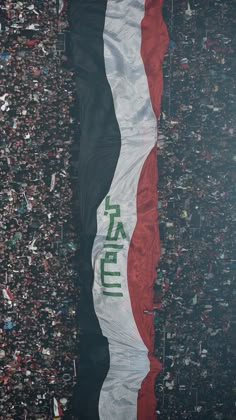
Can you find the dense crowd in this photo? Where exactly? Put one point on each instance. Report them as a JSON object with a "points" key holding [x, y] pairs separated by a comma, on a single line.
{"points": [[38, 304], [195, 291]]}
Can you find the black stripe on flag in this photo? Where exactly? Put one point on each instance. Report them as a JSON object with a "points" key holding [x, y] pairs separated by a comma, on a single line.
{"points": [[100, 143]]}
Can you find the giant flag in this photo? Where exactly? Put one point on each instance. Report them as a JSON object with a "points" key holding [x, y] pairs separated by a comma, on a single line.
{"points": [[118, 47]]}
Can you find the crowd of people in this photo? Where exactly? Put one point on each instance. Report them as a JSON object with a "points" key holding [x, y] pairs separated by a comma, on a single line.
{"points": [[38, 340], [194, 291]]}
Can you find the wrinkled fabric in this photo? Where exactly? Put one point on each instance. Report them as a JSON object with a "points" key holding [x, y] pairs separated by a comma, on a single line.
{"points": [[129, 46], [118, 48]]}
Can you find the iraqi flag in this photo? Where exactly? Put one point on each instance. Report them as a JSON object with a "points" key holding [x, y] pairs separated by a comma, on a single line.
{"points": [[57, 410], [7, 294], [118, 47], [61, 6]]}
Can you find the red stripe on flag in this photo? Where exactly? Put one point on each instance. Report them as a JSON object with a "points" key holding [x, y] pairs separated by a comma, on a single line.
{"points": [[144, 251], [154, 44], [143, 255]]}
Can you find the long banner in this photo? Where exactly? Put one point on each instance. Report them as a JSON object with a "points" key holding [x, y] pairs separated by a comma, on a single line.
{"points": [[118, 48]]}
